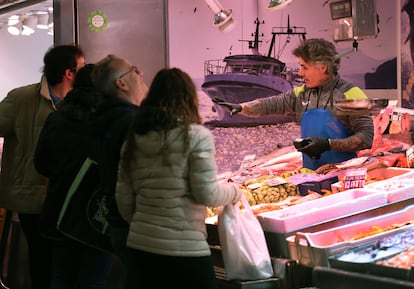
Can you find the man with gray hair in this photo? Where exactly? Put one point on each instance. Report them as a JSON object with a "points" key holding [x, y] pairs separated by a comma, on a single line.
{"points": [[328, 137], [122, 88]]}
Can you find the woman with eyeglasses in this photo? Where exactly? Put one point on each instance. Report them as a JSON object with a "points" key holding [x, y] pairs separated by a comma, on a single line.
{"points": [[167, 178]]}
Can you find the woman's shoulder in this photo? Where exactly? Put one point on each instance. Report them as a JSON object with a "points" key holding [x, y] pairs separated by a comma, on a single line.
{"points": [[199, 130]]}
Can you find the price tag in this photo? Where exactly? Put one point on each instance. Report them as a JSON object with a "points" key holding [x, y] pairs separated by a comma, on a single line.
{"points": [[247, 161], [275, 181], [355, 178]]}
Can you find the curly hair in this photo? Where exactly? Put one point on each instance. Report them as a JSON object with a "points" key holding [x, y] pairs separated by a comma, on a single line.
{"points": [[318, 50]]}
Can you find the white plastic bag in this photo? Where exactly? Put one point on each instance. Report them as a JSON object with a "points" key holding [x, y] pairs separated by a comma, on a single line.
{"points": [[243, 244]]}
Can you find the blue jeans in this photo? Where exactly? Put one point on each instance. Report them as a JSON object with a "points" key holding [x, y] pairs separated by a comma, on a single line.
{"points": [[76, 265]]}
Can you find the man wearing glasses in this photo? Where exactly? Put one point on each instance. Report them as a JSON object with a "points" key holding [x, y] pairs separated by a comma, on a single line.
{"points": [[122, 88], [22, 115]]}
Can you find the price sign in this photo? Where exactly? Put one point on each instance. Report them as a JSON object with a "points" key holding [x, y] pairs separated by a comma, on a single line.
{"points": [[355, 178]]}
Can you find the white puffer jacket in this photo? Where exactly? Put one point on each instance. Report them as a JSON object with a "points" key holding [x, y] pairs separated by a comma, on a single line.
{"points": [[165, 194]]}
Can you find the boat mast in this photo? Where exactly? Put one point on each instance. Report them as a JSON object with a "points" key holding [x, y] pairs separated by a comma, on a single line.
{"points": [[289, 31], [255, 44]]}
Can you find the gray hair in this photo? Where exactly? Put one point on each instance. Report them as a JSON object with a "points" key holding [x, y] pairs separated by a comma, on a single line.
{"points": [[318, 50], [105, 74]]}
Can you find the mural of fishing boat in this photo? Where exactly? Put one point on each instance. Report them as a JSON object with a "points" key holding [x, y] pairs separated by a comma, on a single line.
{"points": [[245, 77]]}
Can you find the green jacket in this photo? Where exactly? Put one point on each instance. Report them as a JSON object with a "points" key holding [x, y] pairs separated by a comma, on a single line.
{"points": [[22, 115]]}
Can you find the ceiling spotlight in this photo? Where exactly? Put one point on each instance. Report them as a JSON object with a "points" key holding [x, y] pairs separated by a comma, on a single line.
{"points": [[14, 25], [13, 20], [42, 19], [222, 17], [278, 4], [14, 29]]}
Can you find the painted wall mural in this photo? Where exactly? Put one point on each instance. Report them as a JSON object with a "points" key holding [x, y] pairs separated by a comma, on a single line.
{"points": [[373, 66]]}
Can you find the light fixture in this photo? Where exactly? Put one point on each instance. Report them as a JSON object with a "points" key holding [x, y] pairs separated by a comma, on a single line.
{"points": [[50, 21], [29, 22], [14, 25], [354, 19], [223, 18], [278, 4], [50, 30], [42, 19]]}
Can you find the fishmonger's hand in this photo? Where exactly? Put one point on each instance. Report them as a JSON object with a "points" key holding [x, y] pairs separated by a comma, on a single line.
{"points": [[234, 108], [313, 147]]}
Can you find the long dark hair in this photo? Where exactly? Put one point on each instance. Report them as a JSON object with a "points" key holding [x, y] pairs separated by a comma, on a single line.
{"points": [[171, 101]]}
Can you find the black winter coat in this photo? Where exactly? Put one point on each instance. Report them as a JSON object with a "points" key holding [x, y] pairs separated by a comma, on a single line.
{"points": [[60, 152], [110, 123]]}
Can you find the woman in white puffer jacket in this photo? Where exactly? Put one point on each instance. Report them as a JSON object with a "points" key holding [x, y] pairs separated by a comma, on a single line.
{"points": [[167, 178]]}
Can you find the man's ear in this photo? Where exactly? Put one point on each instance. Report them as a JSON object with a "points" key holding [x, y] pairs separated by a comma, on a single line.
{"points": [[69, 74], [121, 84], [325, 68]]}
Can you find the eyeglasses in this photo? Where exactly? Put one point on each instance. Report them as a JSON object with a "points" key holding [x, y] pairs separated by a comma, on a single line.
{"points": [[76, 68], [132, 69]]}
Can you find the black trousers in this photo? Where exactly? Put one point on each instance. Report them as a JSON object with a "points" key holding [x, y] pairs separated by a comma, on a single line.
{"points": [[40, 251], [148, 271]]}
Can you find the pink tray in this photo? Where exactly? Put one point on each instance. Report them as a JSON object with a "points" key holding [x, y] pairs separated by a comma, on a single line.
{"points": [[321, 210]]}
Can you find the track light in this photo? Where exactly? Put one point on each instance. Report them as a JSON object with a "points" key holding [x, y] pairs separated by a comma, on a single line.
{"points": [[222, 17], [29, 22], [50, 21], [42, 19], [26, 24], [278, 4]]}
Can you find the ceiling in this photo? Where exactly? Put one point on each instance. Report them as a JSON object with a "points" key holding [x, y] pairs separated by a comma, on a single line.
{"points": [[20, 7], [9, 7]]}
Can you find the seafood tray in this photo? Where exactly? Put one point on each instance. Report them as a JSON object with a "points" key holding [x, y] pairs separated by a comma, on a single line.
{"points": [[402, 273], [365, 259], [391, 172], [314, 248], [399, 187], [321, 210]]}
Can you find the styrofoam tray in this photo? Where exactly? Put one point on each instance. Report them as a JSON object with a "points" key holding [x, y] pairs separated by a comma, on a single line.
{"points": [[321, 210], [398, 187], [314, 248]]}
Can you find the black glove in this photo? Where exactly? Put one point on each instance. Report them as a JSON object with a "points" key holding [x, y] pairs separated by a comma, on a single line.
{"points": [[314, 147], [234, 108]]}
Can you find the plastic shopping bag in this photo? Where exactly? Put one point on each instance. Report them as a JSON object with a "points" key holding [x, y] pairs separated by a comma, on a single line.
{"points": [[243, 244]]}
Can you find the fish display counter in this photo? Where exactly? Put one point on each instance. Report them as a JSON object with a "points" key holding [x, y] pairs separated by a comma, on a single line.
{"points": [[311, 226]]}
